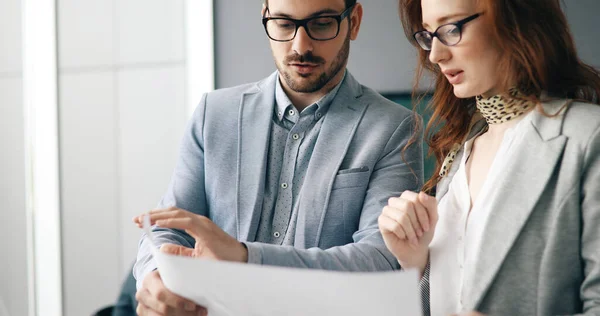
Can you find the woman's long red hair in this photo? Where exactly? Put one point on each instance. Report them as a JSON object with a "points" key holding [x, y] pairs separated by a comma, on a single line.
{"points": [[537, 51]]}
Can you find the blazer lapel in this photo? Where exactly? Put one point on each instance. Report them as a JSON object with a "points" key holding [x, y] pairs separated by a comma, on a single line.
{"points": [[335, 136], [255, 119], [521, 188]]}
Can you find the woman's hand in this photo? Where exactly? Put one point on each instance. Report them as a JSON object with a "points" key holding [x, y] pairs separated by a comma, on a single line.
{"points": [[407, 225]]}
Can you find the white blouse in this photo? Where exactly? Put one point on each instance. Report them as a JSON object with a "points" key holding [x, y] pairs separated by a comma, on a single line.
{"points": [[453, 250]]}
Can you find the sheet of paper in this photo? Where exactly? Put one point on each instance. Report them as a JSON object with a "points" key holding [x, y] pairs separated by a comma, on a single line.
{"points": [[234, 289]]}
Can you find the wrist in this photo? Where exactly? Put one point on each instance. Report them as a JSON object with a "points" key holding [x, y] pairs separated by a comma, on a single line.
{"points": [[417, 261]]}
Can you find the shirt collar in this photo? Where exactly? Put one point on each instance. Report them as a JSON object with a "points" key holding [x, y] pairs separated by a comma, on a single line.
{"points": [[283, 103]]}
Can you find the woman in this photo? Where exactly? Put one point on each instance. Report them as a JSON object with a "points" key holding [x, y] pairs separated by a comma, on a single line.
{"points": [[514, 228]]}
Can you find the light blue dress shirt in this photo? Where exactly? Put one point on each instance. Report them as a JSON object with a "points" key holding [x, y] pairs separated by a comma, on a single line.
{"points": [[292, 141]]}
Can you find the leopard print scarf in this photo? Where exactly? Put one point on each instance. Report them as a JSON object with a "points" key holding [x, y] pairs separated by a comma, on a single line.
{"points": [[497, 109]]}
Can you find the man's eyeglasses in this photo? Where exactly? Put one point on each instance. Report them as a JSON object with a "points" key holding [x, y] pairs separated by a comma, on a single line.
{"points": [[449, 34], [319, 28]]}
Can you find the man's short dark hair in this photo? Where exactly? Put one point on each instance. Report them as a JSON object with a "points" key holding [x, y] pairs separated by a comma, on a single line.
{"points": [[349, 3]]}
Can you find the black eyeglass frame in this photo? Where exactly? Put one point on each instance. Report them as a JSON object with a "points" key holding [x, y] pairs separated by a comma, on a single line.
{"points": [[304, 22], [458, 24]]}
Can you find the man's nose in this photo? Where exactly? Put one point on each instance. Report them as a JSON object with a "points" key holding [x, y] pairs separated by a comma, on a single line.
{"points": [[302, 43]]}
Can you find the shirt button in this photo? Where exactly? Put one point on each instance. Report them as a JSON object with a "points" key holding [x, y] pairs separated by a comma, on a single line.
{"points": [[291, 112], [459, 238], [276, 234], [295, 136], [319, 114], [284, 185]]}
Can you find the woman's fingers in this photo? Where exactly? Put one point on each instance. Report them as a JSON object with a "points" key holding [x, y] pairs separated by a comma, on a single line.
{"points": [[390, 226], [430, 204], [422, 212], [402, 217]]}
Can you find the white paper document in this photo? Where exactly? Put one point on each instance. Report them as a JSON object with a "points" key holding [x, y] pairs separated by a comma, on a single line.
{"points": [[236, 289]]}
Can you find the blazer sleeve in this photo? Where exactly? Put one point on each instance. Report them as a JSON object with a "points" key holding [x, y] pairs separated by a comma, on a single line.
{"points": [[395, 171], [186, 191], [590, 239]]}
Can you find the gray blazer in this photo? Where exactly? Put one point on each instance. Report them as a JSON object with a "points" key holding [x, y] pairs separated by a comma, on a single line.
{"points": [[541, 249], [357, 164]]}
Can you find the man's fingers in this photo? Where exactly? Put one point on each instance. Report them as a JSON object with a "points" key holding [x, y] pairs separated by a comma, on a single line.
{"points": [[170, 214], [175, 301], [196, 226], [159, 293], [185, 223], [163, 210], [202, 311], [177, 250], [137, 220], [143, 310], [159, 212], [151, 303]]}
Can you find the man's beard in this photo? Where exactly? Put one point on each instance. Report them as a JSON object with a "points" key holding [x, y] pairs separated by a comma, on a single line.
{"points": [[322, 79]]}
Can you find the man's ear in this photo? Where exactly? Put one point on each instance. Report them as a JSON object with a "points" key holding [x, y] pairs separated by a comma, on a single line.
{"points": [[356, 18]]}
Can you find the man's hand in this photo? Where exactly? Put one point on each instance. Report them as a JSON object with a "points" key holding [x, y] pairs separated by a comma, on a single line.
{"points": [[154, 299], [407, 225], [211, 241]]}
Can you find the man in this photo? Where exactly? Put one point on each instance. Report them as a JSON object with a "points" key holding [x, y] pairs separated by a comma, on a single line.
{"points": [[291, 171]]}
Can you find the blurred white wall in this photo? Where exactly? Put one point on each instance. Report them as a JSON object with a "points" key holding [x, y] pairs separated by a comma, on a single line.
{"points": [[13, 243], [122, 113]]}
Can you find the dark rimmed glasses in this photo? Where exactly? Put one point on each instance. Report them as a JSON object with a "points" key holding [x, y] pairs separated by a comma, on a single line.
{"points": [[319, 28], [449, 34]]}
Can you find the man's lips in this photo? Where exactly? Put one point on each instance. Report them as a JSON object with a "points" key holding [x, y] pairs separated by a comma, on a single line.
{"points": [[303, 67]]}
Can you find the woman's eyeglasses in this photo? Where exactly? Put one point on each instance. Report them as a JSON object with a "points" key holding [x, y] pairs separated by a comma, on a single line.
{"points": [[449, 34]]}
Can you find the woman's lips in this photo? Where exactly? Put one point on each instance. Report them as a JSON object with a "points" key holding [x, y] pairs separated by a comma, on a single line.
{"points": [[455, 77]]}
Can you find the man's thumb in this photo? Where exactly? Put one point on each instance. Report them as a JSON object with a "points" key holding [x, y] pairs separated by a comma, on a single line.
{"points": [[177, 250]]}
